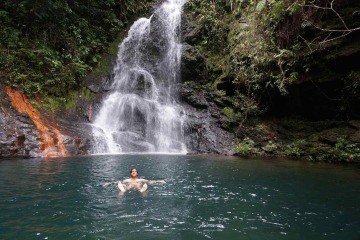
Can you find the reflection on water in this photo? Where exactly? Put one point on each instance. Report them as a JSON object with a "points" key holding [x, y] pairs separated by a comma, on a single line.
{"points": [[205, 197]]}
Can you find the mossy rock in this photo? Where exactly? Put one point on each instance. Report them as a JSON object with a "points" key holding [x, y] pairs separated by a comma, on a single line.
{"points": [[331, 136], [355, 124]]}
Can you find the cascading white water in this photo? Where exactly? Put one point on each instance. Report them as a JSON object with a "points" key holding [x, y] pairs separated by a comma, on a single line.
{"points": [[141, 113]]}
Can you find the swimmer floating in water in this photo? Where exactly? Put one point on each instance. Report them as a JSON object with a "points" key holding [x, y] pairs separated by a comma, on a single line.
{"points": [[134, 182]]}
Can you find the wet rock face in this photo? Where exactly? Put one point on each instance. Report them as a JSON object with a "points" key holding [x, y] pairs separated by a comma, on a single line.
{"points": [[20, 137], [204, 126], [203, 134], [193, 65], [189, 96], [18, 134], [205, 130], [76, 134]]}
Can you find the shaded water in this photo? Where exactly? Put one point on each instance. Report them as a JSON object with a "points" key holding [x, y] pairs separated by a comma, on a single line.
{"points": [[205, 198]]}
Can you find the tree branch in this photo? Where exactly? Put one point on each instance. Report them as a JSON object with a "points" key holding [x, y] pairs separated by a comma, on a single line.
{"points": [[334, 30], [344, 32]]}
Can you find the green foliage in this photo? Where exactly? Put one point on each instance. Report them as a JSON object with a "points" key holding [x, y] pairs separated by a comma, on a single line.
{"points": [[294, 149], [257, 59], [270, 147], [231, 114], [239, 41], [49, 46], [246, 147], [345, 150], [53, 103], [211, 16], [211, 40], [261, 47]]}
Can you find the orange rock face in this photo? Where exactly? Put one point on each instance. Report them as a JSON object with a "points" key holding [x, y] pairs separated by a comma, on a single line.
{"points": [[50, 136]]}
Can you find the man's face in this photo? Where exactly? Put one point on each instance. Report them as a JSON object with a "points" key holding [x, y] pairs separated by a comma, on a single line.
{"points": [[134, 173]]}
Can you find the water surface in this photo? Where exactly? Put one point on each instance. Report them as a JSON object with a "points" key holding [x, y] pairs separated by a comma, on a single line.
{"points": [[205, 198]]}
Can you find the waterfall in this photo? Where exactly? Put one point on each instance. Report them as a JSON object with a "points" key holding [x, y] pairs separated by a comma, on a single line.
{"points": [[141, 112]]}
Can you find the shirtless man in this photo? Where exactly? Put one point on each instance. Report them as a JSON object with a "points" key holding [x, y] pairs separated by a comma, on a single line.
{"points": [[134, 182]]}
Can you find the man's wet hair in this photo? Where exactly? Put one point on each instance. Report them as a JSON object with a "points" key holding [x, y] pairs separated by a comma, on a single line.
{"points": [[133, 169]]}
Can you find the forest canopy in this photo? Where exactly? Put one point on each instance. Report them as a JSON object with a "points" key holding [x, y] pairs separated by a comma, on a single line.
{"points": [[48, 46]]}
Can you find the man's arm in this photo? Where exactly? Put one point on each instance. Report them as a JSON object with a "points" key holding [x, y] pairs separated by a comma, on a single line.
{"points": [[116, 182], [151, 181]]}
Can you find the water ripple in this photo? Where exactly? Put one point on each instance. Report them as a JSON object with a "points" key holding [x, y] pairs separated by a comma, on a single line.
{"points": [[201, 200]]}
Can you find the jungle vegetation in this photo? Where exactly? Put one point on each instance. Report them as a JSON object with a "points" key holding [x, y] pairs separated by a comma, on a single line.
{"points": [[257, 48], [48, 46]]}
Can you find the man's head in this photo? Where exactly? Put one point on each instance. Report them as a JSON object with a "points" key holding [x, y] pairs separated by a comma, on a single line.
{"points": [[134, 172]]}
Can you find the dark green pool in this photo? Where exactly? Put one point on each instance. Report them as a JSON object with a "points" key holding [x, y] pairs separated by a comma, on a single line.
{"points": [[205, 198]]}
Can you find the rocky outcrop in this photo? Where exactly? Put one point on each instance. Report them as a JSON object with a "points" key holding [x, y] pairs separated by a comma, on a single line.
{"points": [[18, 134], [26, 132], [204, 126]]}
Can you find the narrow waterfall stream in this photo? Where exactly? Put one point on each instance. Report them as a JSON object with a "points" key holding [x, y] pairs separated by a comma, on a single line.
{"points": [[141, 112]]}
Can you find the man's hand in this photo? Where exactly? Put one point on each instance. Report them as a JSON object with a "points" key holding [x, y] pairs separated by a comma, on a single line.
{"points": [[109, 183]]}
